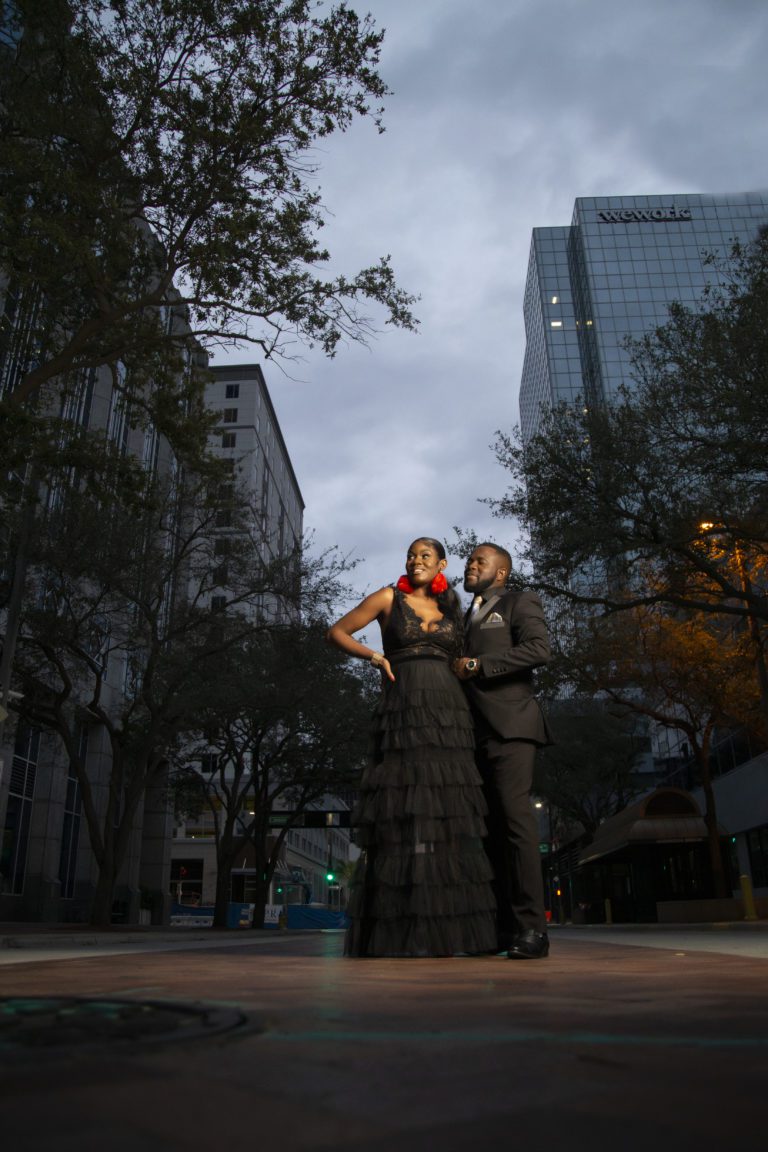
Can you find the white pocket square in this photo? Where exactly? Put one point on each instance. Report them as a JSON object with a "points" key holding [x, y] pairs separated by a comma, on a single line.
{"points": [[495, 618]]}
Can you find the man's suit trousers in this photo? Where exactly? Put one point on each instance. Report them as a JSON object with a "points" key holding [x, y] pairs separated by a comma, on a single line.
{"points": [[512, 844]]}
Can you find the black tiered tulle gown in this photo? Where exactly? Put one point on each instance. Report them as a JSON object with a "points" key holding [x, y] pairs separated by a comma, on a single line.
{"points": [[422, 886]]}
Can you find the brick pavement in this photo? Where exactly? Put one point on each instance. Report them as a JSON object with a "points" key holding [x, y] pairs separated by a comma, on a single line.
{"points": [[617, 1041]]}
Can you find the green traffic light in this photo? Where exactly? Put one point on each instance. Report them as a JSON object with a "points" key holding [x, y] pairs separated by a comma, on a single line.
{"points": [[330, 876]]}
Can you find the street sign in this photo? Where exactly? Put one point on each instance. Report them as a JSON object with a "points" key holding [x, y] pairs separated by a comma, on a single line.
{"points": [[334, 818]]}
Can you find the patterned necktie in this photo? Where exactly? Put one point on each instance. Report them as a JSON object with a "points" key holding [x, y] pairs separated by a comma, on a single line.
{"points": [[475, 607]]}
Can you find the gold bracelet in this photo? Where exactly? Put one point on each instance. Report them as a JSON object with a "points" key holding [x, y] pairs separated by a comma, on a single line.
{"points": [[377, 659]]}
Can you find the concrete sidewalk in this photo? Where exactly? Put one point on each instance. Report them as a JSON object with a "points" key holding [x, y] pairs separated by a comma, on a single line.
{"points": [[21, 943], [17, 940], [624, 1039]]}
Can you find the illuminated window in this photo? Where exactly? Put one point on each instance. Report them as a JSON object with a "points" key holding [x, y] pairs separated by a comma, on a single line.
{"points": [[555, 323], [555, 300]]}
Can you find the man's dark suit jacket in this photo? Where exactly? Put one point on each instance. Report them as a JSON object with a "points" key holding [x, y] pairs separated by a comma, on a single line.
{"points": [[508, 635]]}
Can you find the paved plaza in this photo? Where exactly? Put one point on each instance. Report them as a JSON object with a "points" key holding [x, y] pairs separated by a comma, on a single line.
{"points": [[624, 1038]]}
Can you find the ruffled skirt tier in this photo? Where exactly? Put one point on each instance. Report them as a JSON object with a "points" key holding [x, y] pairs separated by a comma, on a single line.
{"points": [[422, 886]]}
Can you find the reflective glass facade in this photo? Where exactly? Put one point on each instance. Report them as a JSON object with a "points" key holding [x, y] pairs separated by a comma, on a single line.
{"points": [[611, 274]]}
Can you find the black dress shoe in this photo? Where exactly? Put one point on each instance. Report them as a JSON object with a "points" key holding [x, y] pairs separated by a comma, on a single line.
{"points": [[529, 945]]}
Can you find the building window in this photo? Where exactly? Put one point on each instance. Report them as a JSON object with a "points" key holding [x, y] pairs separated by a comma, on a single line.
{"points": [[70, 831], [218, 603], [19, 347], [76, 407], [151, 449], [230, 415], [187, 882], [118, 424], [232, 392], [21, 791], [281, 531], [228, 439]]}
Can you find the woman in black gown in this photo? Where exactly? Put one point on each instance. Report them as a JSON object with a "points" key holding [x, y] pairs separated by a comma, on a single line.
{"points": [[422, 886]]}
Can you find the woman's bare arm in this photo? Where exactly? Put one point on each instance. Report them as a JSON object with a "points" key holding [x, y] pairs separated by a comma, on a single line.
{"points": [[377, 606]]}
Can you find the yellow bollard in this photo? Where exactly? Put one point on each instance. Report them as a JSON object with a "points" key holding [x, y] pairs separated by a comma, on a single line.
{"points": [[748, 897], [608, 911]]}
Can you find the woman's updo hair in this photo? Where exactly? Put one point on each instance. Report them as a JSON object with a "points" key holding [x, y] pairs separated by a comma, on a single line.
{"points": [[448, 601]]}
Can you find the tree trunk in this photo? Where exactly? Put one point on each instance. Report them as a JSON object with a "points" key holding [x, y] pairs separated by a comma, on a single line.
{"points": [[260, 894], [101, 909], [116, 842], [719, 884], [263, 874], [223, 882]]}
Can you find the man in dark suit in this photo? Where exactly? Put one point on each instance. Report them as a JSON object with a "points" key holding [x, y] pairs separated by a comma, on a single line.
{"points": [[506, 638]]}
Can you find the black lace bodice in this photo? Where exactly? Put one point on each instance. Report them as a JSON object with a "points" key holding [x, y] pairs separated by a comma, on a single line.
{"points": [[406, 631]]}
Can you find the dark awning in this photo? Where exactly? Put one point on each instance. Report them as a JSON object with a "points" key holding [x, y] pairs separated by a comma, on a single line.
{"points": [[664, 816]]}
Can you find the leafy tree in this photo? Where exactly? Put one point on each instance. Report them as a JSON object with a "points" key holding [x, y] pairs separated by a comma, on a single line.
{"points": [[117, 619], [622, 499], [688, 672], [52, 455], [590, 772], [157, 181], [464, 544], [158, 158], [284, 725]]}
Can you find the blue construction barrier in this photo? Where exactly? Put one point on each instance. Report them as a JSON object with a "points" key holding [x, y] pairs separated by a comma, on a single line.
{"points": [[187, 916], [239, 916], [304, 916]]}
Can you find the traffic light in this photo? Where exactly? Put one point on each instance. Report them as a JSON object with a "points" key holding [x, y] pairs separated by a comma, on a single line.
{"points": [[280, 890], [330, 876]]}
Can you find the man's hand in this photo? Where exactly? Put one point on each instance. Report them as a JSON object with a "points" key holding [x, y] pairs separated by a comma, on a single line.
{"points": [[466, 667]]}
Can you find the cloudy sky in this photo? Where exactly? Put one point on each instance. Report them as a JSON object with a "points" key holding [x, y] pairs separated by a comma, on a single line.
{"points": [[502, 113]]}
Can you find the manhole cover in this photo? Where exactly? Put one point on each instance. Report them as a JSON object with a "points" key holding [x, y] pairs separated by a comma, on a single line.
{"points": [[53, 1022]]}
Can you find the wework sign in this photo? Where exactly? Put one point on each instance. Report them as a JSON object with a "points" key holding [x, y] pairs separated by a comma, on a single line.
{"points": [[643, 215]]}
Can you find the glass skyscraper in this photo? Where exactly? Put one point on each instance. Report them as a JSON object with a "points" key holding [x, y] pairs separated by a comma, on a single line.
{"points": [[611, 274]]}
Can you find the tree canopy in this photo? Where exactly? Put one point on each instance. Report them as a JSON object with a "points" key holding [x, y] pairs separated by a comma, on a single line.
{"points": [[283, 722], [686, 671], [592, 770], [159, 156]]}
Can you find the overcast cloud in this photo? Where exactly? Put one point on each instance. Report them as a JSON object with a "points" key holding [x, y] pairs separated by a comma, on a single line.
{"points": [[502, 113]]}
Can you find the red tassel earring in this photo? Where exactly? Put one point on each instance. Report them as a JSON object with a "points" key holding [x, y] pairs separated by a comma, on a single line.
{"points": [[438, 585]]}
